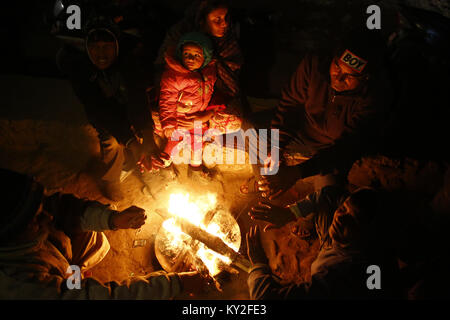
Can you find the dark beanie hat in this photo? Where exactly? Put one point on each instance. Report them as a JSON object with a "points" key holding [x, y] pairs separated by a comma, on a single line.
{"points": [[368, 45], [20, 199], [200, 39]]}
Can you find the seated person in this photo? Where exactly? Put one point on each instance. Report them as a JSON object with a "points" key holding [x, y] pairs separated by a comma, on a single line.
{"points": [[41, 236], [331, 112], [187, 86], [213, 18], [345, 225], [111, 85]]}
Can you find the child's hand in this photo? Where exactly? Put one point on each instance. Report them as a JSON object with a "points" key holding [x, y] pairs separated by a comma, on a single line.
{"points": [[203, 116], [276, 216]]}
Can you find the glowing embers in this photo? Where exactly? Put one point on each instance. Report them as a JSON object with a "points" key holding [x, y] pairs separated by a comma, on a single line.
{"points": [[177, 251]]}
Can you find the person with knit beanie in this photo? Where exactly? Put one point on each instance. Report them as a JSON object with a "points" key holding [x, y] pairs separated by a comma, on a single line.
{"points": [[187, 86]]}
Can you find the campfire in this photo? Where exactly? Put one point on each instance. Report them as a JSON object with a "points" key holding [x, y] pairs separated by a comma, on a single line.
{"points": [[198, 234]]}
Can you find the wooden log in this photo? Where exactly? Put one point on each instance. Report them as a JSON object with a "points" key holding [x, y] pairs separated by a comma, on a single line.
{"points": [[211, 241]]}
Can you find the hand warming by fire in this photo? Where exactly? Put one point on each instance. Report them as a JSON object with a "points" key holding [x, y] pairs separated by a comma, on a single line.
{"points": [[130, 218]]}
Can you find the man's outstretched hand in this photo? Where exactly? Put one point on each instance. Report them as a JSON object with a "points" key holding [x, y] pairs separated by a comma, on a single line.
{"points": [[255, 251], [153, 162], [272, 186], [131, 218], [276, 216]]}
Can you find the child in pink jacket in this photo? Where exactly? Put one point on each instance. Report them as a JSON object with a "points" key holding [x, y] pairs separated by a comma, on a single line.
{"points": [[187, 85]]}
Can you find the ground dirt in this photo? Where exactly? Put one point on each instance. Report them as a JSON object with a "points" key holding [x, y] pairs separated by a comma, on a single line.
{"points": [[60, 152], [44, 132]]}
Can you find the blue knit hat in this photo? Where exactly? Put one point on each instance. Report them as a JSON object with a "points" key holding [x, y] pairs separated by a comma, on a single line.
{"points": [[200, 39]]}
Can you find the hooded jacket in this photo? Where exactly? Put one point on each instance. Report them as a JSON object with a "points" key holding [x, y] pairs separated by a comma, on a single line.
{"points": [[184, 92]]}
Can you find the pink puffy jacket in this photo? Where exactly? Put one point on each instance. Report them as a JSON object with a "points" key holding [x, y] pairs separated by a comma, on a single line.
{"points": [[184, 92]]}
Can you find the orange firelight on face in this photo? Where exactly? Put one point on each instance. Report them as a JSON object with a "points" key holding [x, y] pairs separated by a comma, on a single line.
{"points": [[343, 77], [193, 57], [217, 22]]}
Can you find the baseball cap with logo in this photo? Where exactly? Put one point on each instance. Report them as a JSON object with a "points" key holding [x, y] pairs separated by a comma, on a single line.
{"points": [[362, 50]]}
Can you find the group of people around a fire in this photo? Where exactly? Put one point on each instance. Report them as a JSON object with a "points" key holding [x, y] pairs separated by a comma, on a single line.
{"points": [[331, 110]]}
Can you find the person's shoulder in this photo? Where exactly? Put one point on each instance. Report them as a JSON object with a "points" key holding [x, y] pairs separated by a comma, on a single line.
{"points": [[210, 71], [307, 65], [317, 61], [211, 66]]}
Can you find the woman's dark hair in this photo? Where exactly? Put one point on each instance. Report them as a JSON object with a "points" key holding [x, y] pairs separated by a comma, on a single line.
{"points": [[206, 6]]}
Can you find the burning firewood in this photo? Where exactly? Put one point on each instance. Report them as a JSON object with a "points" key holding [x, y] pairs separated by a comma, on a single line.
{"points": [[211, 241]]}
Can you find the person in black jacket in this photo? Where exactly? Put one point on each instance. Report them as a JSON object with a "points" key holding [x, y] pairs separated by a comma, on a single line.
{"points": [[111, 80], [347, 226], [331, 112]]}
